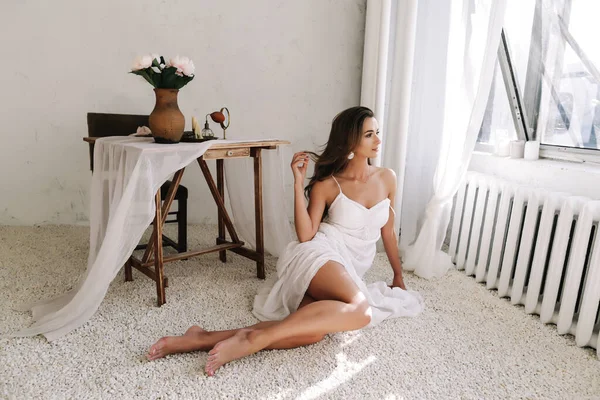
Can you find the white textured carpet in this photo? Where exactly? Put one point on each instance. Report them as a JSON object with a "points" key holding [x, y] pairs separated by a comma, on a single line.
{"points": [[468, 344]]}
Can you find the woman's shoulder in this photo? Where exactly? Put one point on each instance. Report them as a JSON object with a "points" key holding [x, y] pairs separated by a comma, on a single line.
{"points": [[326, 183], [386, 174], [326, 188], [388, 177]]}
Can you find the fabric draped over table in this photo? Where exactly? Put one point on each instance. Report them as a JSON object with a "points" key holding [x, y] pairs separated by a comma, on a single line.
{"points": [[128, 171]]}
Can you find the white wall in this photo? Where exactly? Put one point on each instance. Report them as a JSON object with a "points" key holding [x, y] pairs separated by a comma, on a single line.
{"points": [[283, 68]]}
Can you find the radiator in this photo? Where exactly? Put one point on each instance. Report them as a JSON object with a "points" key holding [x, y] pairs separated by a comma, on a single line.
{"points": [[539, 248]]}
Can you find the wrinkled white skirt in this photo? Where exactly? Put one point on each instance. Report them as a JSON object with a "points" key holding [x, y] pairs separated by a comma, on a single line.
{"points": [[297, 266]]}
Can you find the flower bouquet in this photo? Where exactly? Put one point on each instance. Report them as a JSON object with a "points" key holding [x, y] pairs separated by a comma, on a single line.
{"points": [[166, 120], [174, 74]]}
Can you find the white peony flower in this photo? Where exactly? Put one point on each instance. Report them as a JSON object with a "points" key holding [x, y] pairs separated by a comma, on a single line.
{"points": [[184, 66], [155, 69], [142, 62], [189, 69]]}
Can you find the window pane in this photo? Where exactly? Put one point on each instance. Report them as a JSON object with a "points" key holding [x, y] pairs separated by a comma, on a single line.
{"points": [[555, 58], [573, 93], [572, 106], [497, 121], [518, 23]]}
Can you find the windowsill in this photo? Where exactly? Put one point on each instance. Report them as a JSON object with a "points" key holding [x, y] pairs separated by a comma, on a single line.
{"points": [[580, 179]]}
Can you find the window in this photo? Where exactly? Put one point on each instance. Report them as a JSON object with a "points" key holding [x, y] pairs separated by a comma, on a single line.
{"points": [[547, 79]]}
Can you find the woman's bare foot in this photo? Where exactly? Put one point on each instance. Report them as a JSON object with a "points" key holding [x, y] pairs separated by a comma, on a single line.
{"points": [[194, 339], [235, 347]]}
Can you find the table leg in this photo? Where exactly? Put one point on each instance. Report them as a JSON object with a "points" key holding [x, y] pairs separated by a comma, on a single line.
{"points": [[221, 189], [158, 252], [164, 212], [258, 214], [128, 271]]}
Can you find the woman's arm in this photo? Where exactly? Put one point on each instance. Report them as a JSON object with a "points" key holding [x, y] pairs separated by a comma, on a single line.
{"points": [[306, 220], [388, 234]]}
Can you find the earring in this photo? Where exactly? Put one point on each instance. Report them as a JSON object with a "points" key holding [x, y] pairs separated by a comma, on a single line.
{"points": [[351, 155]]}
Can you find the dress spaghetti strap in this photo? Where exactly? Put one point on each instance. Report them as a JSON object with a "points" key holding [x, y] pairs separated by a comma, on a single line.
{"points": [[339, 187]]}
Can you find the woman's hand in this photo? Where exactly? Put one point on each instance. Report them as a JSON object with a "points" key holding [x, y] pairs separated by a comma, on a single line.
{"points": [[299, 166], [398, 282]]}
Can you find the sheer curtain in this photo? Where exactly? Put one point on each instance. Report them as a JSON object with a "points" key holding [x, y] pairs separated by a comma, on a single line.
{"points": [[425, 125], [475, 27], [386, 79]]}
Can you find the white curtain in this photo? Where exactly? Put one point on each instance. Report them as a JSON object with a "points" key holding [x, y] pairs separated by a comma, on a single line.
{"points": [[386, 79], [375, 59], [426, 122], [475, 27]]}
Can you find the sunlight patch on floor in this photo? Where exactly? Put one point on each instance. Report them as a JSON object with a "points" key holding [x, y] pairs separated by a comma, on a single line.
{"points": [[344, 371]]}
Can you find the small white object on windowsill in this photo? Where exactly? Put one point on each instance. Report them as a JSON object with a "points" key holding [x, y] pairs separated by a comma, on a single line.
{"points": [[517, 149], [532, 150], [502, 148]]}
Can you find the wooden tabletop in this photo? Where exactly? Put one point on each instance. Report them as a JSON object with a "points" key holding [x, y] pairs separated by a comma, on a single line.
{"points": [[262, 143]]}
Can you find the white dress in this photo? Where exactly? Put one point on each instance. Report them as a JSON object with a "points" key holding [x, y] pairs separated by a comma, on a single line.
{"points": [[348, 236]]}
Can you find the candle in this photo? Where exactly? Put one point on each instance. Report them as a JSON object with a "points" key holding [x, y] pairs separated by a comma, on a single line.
{"points": [[517, 148], [532, 150], [195, 126]]}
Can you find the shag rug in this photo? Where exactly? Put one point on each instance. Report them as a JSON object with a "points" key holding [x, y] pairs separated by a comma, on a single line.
{"points": [[468, 344]]}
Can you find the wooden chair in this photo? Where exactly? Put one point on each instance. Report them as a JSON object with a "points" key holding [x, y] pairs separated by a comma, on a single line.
{"points": [[102, 125]]}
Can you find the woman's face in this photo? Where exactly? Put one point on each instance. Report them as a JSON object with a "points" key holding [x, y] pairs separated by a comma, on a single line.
{"points": [[369, 143]]}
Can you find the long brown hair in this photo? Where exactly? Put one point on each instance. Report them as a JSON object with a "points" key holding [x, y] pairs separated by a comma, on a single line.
{"points": [[345, 135]]}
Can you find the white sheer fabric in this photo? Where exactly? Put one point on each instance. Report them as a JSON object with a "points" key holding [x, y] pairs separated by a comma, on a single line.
{"points": [[374, 84], [239, 179], [422, 147], [386, 79], [128, 172], [475, 28]]}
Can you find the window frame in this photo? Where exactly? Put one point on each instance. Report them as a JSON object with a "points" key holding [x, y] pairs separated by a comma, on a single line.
{"points": [[519, 109]]}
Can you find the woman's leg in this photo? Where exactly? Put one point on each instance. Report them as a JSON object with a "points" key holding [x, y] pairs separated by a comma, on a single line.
{"points": [[340, 306], [198, 339]]}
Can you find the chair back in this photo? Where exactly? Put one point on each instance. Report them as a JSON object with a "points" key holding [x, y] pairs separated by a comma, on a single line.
{"points": [[102, 125]]}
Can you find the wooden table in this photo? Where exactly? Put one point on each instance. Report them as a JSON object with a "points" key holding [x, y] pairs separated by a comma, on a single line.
{"points": [[153, 255]]}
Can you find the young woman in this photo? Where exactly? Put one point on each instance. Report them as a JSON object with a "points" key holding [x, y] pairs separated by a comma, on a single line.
{"points": [[319, 288]]}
